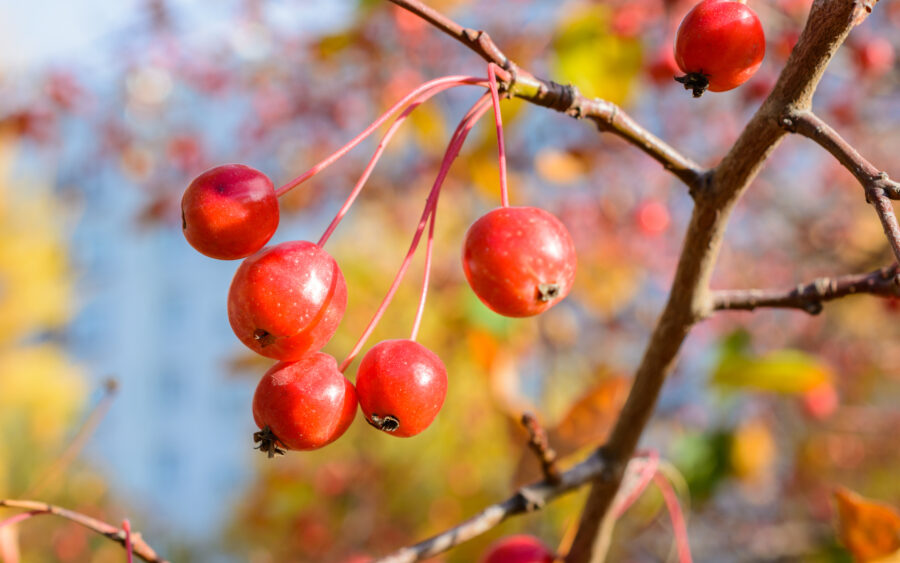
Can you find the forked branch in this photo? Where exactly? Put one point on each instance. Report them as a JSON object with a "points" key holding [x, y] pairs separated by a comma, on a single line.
{"points": [[810, 297], [139, 546], [880, 189], [522, 84]]}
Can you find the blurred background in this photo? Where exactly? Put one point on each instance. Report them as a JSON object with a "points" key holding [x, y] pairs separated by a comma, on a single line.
{"points": [[109, 109]]}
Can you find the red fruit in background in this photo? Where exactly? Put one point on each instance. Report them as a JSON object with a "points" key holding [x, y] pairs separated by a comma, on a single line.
{"points": [[519, 261], [874, 57], [821, 401], [287, 300], [401, 386], [229, 211], [518, 549], [663, 68], [719, 44], [302, 405], [653, 217]]}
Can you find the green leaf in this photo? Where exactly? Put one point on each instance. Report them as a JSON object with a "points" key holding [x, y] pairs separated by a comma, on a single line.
{"points": [[779, 371]]}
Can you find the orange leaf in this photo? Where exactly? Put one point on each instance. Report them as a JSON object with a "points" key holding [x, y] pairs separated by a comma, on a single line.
{"points": [[590, 419], [869, 530]]}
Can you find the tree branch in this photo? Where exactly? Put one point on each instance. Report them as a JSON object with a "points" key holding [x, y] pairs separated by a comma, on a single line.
{"points": [[140, 547], [537, 441], [809, 297], [522, 84], [715, 194], [879, 188], [826, 29], [527, 499]]}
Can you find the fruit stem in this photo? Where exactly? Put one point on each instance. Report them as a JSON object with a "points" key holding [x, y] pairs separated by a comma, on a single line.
{"points": [[678, 526], [448, 80], [382, 145], [429, 244], [456, 142], [126, 527], [495, 99]]}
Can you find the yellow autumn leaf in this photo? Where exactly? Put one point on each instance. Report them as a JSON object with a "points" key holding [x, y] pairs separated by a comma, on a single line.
{"points": [[558, 167], [600, 63], [753, 451], [40, 386], [779, 371]]}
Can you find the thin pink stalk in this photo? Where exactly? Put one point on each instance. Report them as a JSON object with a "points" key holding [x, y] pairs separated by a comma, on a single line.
{"points": [[449, 80], [679, 529], [21, 517], [459, 136], [429, 244], [495, 99], [126, 527], [647, 472], [382, 145]]}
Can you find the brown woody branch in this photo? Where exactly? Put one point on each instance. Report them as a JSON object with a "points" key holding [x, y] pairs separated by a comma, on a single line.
{"points": [[537, 441], [522, 84], [527, 499], [879, 188], [810, 297], [139, 546], [715, 194]]}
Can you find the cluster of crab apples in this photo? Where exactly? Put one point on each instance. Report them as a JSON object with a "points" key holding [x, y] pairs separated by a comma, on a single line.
{"points": [[287, 300]]}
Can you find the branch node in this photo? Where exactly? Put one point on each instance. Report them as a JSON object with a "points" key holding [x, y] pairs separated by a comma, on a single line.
{"points": [[537, 441]]}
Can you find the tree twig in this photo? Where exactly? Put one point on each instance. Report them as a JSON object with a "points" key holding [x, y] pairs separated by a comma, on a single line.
{"points": [[715, 194], [880, 189], [522, 84], [110, 386], [809, 297], [141, 548], [537, 441], [527, 499]]}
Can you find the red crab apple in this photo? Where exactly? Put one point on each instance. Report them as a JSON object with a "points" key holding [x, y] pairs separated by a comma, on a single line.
{"points": [[287, 300], [229, 211], [519, 261], [518, 549], [302, 405], [401, 386], [719, 44]]}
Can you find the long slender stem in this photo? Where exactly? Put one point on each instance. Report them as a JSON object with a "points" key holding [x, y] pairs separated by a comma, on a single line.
{"points": [[382, 145], [459, 136], [429, 247], [679, 528], [328, 161], [498, 121], [126, 527]]}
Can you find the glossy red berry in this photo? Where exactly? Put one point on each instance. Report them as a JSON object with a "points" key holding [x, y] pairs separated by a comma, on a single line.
{"points": [[519, 261], [229, 211], [518, 549], [287, 300], [302, 405], [401, 386], [719, 44]]}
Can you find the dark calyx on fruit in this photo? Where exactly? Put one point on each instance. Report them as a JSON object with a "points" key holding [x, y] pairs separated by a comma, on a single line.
{"points": [[547, 292], [696, 81], [268, 442], [263, 337], [388, 423]]}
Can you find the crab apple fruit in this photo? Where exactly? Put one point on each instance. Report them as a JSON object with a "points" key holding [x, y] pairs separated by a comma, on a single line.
{"points": [[287, 300], [229, 211], [719, 44], [401, 387], [518, 549], [519, 261], [302, 405]]}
